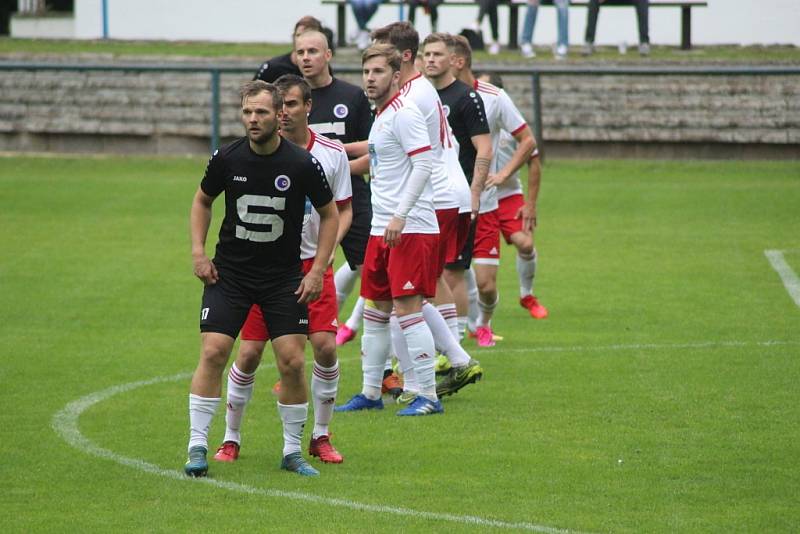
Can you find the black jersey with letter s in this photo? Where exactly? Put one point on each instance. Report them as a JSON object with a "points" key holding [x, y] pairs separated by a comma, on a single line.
{"points": [[467, 117], [265, 201]]}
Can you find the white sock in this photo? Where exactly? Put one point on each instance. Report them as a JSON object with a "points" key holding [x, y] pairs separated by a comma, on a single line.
{"points": [[462, 326], [201, 411], [294, 418], [324, 385], [487, 310], [526, 270], [401, 351], [354, 321], [240, 391], [442, 338], [472, 295], [376, 343], [344, 279], [450, 315], [422, 351]]}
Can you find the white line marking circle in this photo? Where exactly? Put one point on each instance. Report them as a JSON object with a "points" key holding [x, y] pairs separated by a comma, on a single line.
{"points": [[65, 424]]}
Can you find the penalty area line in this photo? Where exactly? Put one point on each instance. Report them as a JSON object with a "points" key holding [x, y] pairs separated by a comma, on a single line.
{"points": [[65, 424], [789, 278]]}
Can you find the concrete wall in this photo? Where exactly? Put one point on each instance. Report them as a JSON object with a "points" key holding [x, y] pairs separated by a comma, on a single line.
{"points": [[586, 115]]}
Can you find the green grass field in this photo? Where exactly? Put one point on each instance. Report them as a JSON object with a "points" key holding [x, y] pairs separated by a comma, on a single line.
{"points": [[659, 396], [119, 49]]}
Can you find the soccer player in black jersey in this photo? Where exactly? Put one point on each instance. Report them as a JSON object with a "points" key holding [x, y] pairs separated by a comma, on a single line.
{"points": [[467, 117], [340, 111], [266, 181], [274, 68]]}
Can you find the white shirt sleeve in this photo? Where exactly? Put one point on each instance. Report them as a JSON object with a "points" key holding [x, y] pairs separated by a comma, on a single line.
{"points": [[511, 120], [343, 188]]}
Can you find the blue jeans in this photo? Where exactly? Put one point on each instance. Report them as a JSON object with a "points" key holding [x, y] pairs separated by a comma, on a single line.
{"points": [[363, 11], [562, 7]]}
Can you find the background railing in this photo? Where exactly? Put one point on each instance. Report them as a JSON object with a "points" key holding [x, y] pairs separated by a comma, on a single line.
{"points": [[535, 75]]}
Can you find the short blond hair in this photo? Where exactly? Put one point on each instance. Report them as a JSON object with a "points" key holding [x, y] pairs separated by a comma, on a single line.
{"points": [[383, 50]]}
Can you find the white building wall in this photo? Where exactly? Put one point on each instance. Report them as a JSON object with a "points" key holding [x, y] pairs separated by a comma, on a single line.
{"points": [[723, 22]]}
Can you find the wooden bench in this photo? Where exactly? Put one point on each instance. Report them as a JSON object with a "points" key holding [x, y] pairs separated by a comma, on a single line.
{"points": [[514, 6]]}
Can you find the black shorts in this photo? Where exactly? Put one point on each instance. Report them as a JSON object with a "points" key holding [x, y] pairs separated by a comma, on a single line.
{"points": [[354, 243], [226, 304], [465, 256]]}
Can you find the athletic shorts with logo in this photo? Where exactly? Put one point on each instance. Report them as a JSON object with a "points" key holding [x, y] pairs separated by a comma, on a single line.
{"points": [[487, 239], [509, 223], [226, 304], [404, 270], [321, 312]]}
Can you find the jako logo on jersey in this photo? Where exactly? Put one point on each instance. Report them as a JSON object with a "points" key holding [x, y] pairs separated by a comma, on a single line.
{"points": [[340, 111], [282, 182], [446, 110], [240, 178]]}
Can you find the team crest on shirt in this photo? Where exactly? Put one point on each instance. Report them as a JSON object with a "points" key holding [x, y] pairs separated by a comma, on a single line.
{"points": [[282, 183], [340, 111]]}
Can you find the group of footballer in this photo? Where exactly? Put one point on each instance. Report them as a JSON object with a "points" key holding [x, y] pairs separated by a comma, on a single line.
{"points": [[443, 150]]}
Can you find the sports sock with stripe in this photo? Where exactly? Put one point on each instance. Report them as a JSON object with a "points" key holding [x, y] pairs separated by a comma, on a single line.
{"points": [[240, 391], [324, 386]]}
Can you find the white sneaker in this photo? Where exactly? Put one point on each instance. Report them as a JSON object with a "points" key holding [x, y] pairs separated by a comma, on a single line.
{"points": [[494, 49], [561, 52], [527, 50], [363, 40]]}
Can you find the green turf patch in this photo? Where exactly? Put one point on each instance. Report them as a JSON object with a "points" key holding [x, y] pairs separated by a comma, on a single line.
{"points": [[659, 396]]}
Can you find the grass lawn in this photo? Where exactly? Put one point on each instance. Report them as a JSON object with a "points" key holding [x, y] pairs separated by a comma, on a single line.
{"points": [[204, 49], [659, 396]]}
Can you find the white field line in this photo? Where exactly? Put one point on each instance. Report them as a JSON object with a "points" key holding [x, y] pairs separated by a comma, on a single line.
{"points": [[649, 346], [789, 278], [65, 424]]}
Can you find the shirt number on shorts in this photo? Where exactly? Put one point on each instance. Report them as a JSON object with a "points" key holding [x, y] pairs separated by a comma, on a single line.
{"points": [[272, 220]]}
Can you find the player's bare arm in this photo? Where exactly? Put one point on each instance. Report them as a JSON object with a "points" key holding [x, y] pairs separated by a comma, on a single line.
{"points": [[360, 165], [311, 285], [356, 149], [345, 220], [528, 211], [199, 222], [525, 146], [483, 158]]}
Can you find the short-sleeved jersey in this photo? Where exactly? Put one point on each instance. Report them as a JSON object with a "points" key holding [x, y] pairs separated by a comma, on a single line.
{"points": [[334, 162], [467, 117], [420, 91], [506, 146], [274, 68], [502, 116], [265, 199], [398, 133], [341, 111]]}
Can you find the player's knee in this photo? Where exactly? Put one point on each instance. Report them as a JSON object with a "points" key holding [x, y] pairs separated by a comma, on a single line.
{"points": [[215, 356], [523, 242], [292, 366], [249, 356], [325, 353]]}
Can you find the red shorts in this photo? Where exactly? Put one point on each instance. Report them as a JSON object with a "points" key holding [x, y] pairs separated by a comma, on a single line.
{"points": [[487, 239], [448, 236], [321, 312], [508, 209], [407, 269], [464, 224]]}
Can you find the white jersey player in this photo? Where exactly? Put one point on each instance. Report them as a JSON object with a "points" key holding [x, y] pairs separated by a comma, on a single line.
{"points": [[397, 269]]}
